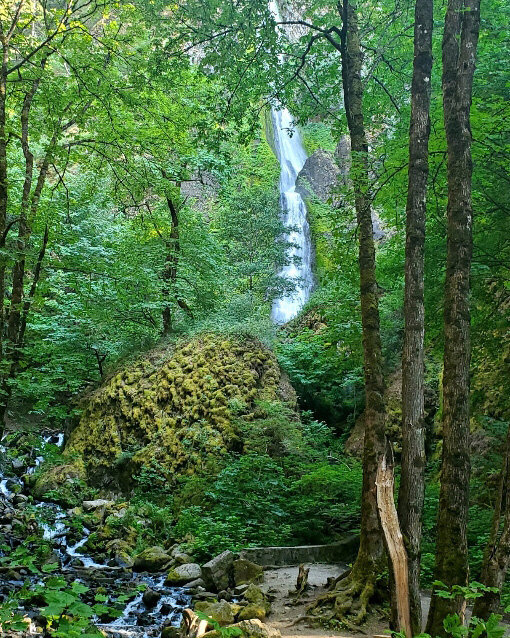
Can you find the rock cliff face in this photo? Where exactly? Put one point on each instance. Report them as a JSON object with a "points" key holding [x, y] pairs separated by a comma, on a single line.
{"points": [[319, 175], [179, 409]]}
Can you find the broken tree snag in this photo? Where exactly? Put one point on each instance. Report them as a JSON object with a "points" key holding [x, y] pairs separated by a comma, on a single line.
{"points": [[394, 541], [192, 626], [302, 580]]}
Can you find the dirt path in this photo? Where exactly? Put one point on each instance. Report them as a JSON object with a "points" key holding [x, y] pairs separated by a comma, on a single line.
{"points": [[285, 611]]}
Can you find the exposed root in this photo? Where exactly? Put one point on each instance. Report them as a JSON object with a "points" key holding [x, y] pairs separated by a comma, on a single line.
{"points": [[307, 618], [348, 603]]}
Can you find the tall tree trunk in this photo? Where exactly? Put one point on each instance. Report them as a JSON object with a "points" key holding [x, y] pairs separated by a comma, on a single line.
{"points": [[460, 40], [361, 582], [3, 214], [372, 548], [412, 484], [497, 553]]}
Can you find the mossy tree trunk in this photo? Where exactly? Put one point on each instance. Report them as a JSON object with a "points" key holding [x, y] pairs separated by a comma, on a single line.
{"points": [[412, 484], [497, 553], [353, 593], [460, 40]]}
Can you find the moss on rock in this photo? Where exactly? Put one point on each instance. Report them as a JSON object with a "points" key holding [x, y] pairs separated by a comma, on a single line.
{"points": [[178, 409]]}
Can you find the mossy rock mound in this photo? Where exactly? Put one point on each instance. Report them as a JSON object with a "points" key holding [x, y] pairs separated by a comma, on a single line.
{"points": [[179, 409]]}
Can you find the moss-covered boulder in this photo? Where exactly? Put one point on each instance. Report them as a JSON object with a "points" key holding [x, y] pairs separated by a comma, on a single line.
{"points": [[246, 572], [221, 611], [178, 409], [62, 482], [152, 559]]}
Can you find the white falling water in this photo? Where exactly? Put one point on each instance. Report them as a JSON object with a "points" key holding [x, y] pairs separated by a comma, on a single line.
{"points": [[292, 156]]}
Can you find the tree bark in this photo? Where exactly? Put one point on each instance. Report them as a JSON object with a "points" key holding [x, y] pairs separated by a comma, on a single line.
{"points": [[412, 484], [371, 552], [3, 210], [497, 553], [460, 40], [394, 543], [354, 592]]}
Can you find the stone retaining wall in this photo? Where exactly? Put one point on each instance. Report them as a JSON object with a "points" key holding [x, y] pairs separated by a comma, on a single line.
{"points": [[341, 552]]}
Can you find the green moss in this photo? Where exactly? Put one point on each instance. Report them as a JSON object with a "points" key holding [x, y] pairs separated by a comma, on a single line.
{"points": [[177, 411]]}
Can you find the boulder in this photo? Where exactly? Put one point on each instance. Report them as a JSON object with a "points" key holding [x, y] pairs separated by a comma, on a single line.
{"points": [[319, 176], [246, 572], [62, 480], [195, 583], [254, 594], [218, 572], [183, 574], [253, 610], [174, 407], [257, 629], [221, 611], [180, 556], [102, 503], [152, 559], [170, 632], [150, 598]]}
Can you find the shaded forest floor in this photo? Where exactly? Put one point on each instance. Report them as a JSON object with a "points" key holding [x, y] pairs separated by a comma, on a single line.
{"points": [[286, 611]]}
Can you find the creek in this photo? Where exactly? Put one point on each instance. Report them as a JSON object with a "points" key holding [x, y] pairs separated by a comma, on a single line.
{"points": [[54, 524]]}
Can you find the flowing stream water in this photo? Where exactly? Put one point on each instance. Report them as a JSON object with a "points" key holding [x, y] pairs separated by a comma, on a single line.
{"points": [[136, 620]]}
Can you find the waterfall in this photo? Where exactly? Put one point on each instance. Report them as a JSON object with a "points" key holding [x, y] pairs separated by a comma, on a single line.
{"points": [[292, 156]]}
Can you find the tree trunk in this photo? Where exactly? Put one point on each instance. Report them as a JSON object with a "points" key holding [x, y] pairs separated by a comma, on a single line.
{"points": [[3, 213], [460, 40], [412, 484], [497, 553], [360, 584], [371, 551], [394, 543]]}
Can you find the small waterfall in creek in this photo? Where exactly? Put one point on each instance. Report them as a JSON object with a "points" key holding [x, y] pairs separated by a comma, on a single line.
{"points": [[292, 156]]}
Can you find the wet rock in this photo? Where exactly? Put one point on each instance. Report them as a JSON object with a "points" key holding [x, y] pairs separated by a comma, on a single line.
{"points": [[218, 572], [89, 506], [195, 584], [61, 480], [170, 632], [150, 598], [205, 595], [225, 595], [18, 465], [152, 559], [246, 572], [183, 574], [240, 589], [165, 609], [221, 611]]}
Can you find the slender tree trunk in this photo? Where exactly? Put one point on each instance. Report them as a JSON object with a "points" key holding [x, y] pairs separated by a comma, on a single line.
{"points": [[371, 551], [354, 592], [412, 484], [3, 216], [460, 40], [171, 268], [497, 553]]}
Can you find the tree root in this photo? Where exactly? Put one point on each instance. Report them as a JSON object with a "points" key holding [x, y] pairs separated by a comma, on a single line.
{"points": [[348, 603]]}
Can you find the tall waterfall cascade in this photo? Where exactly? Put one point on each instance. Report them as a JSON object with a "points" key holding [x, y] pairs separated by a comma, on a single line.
{"points": [[298, 270]]}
